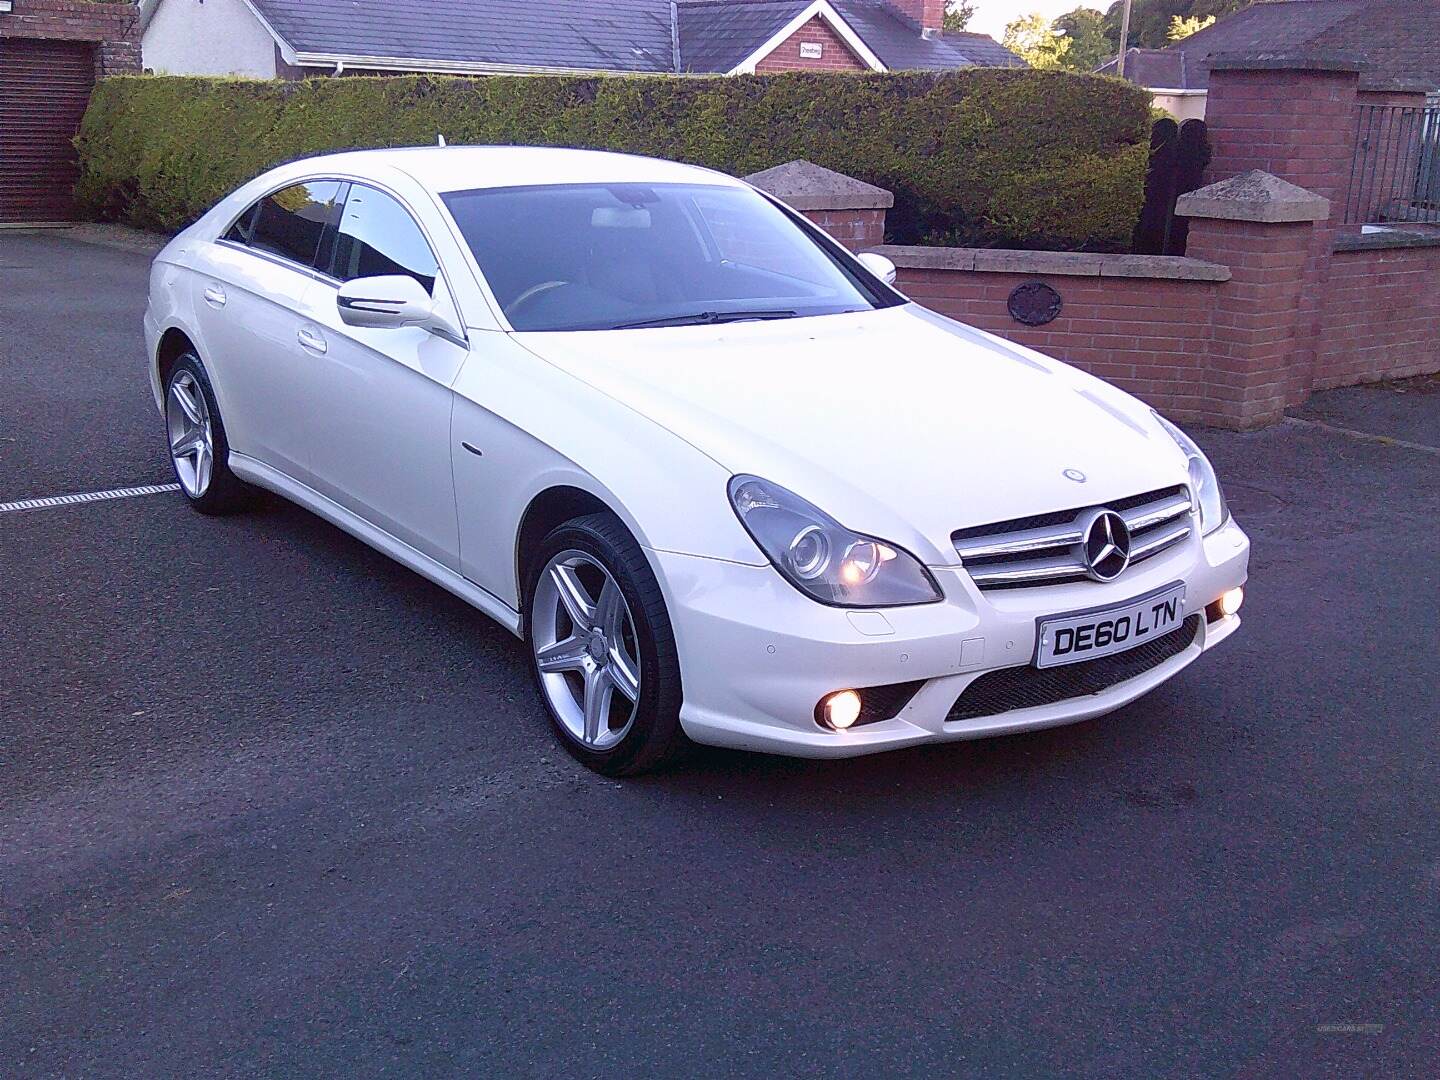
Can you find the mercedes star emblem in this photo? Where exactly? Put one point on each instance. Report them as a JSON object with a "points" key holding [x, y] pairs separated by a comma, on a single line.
{"points": [[1106, 545]]}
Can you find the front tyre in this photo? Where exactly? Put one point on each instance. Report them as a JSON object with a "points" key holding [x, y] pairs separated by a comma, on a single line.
{"points": [[603, 650], [199, 450]]}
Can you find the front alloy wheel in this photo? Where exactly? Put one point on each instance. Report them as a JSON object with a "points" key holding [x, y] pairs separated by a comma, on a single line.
{"points": [[586, 650], [603, 649]]}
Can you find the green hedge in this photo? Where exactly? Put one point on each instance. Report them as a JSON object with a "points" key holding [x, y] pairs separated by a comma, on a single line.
{"points": [[989, 157]]}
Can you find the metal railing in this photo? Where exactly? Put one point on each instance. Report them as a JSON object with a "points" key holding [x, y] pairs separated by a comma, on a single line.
{"points": [[1395, 175]]}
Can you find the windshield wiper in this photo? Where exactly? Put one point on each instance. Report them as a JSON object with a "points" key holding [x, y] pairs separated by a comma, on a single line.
{"points": [[706, 318]]}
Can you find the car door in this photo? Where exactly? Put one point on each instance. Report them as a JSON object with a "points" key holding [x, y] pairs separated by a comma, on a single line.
{"points": [[381, 418], [252, 287]]}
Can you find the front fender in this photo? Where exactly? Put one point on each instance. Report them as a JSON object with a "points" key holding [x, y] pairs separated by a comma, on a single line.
{"points": [[536, 427]]}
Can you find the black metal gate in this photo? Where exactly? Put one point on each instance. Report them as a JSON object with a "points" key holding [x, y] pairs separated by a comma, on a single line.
{"points": [[1179, 154], [1395, 175]]}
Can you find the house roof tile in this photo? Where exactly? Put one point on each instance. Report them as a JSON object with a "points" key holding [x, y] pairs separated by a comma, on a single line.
{"points": [[719, 35], [637, 36], [617, 35], [1394, 40]]}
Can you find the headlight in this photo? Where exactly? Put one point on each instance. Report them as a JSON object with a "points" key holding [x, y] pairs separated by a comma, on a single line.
{"points": [[1203, 481], [822, 558]]}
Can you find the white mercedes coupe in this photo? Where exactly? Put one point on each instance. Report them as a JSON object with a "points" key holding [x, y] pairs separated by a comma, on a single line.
{"points": [[726, 482]]}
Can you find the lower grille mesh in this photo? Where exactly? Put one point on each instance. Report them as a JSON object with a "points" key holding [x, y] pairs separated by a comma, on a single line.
{"points": [[1028, 687], [883, 702]]}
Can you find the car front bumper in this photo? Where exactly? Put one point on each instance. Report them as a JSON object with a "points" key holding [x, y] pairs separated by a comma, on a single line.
{"points": [[756, 656]]}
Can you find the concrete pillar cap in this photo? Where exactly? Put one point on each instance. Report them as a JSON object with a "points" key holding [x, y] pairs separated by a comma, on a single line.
{"points": [[807, 186], [1254, 196]]}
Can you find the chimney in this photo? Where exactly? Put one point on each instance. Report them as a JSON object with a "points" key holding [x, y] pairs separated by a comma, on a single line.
{"points": [[929, 15]]}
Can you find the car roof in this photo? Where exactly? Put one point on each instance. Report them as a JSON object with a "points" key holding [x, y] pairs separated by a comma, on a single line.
{"points": [[465, 168]]}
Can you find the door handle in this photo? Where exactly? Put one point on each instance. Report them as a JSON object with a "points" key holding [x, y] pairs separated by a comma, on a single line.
{"points": [[214, 295], [311, 339]]}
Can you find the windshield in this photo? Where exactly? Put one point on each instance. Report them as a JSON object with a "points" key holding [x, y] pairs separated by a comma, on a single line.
{"points": [[624, 256]]}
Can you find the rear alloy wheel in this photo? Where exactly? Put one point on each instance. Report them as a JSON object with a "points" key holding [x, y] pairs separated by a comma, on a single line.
{"points": [[192, 434], [198, 447], [603, 649]]}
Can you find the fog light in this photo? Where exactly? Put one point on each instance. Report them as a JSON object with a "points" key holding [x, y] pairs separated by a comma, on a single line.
{"points": [[1231, 600], [840, 709]]}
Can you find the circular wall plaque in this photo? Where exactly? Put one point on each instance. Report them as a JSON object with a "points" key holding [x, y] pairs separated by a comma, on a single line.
{"points": [[1034, 303]]}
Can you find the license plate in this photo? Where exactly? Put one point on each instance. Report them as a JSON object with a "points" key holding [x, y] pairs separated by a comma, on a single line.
{"points": [[1068, 639]]}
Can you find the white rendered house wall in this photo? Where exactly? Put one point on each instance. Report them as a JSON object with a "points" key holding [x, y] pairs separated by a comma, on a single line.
{"points": [[207, 37]]}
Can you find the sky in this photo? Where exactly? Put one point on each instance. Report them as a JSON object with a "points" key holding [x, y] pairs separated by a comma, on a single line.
{"points": [[992, 15]]}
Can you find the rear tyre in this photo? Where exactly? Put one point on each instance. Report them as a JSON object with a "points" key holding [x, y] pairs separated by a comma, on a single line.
{"points": [[603, 650], [199, 451]]}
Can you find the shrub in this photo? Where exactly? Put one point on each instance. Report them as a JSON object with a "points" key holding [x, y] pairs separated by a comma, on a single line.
{"points": [[984, 156]]}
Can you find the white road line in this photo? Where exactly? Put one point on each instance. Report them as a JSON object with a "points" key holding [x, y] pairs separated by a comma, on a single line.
{"points": [[53, 501], [1364, 436]]}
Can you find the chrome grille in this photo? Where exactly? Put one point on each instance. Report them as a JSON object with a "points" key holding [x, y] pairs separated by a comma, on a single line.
{"points": [[1047, 549]]}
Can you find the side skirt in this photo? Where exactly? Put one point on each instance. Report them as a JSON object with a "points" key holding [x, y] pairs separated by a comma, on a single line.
{"points": [[262, 475]]}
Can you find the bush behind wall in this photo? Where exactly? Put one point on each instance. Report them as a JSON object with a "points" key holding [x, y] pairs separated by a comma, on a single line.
{"points": [[988, 157]]}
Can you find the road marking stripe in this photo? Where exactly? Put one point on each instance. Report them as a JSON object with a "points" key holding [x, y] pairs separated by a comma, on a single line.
{"points": [[87, 497], [1364, 436]]}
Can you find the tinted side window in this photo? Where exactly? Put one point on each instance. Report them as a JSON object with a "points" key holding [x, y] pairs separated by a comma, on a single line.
{"points": [[290, 222], [377, 236]]}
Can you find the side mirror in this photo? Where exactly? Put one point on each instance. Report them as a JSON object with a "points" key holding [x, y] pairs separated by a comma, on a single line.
{"points": [[385, 303], [878, 265]]}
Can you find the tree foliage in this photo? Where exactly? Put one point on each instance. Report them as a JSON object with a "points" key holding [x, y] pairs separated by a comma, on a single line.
{"points": [[1151, 20], [1083, 39], [958, 14], [1089, 47], [1180, 29], [1035, 40], [1075, 41]]}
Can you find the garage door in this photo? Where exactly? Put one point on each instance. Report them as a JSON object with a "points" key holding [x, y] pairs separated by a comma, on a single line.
{"points": [[44, 86]]}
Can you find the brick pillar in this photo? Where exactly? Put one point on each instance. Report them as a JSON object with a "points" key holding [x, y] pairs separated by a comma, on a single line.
{"points": [[850, 210], [929, 15], [1292, 116], [1264, 229]]}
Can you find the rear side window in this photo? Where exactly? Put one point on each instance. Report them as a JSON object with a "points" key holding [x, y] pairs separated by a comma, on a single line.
{"points": [[290, 222], [377, 236]]}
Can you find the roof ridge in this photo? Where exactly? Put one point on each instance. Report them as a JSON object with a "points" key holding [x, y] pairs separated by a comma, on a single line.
{"points": [[733, 3]]}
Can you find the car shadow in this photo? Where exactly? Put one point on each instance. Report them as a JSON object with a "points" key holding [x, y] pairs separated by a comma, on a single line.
{"points": [[1008, 768]]}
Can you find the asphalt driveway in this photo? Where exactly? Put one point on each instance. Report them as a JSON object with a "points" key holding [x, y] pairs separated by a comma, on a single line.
{"points": [[270, 804]]}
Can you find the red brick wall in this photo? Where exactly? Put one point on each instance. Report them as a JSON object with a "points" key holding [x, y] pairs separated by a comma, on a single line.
{"points": [[1381, 316], [1298, 125], [856, 229], [115, 28], [1147, 336], [1221, 352], [1294, 124], [1261, 314], [929, 14], [1412, 99], [837, 55]]}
